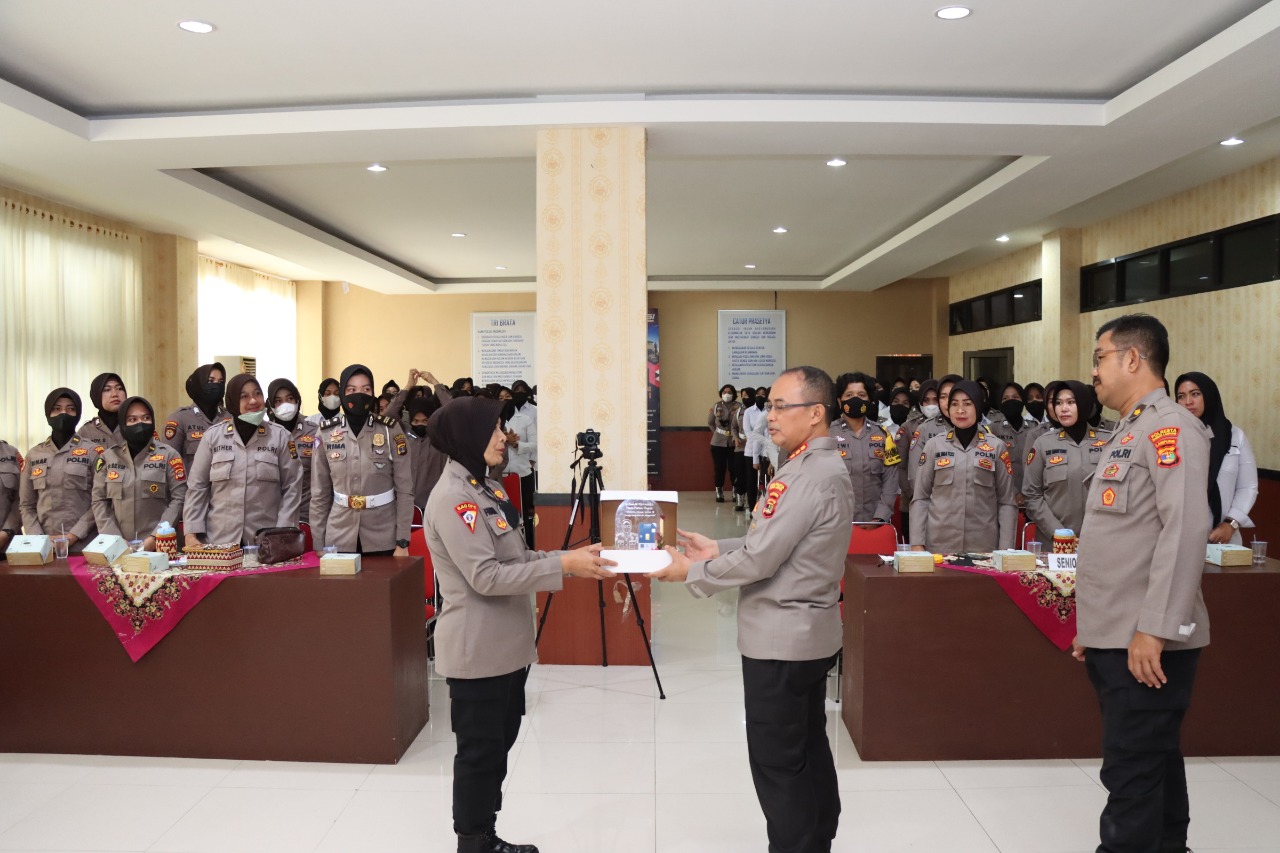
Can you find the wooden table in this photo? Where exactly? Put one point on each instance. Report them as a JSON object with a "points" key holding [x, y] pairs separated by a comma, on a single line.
{"points": [[944, 666], [290, 666]]}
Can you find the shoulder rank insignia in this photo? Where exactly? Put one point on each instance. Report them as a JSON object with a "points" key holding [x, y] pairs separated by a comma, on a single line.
{"points": [[772, 497], [801, 449], [179, 469], [1031, 454], [950, 435], [1138, 411], [1166, 443], [499, 494], [468, 512], [262, 430]]}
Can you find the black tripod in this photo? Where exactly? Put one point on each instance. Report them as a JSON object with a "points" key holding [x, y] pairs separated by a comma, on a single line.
{"points": [[592, 482]]}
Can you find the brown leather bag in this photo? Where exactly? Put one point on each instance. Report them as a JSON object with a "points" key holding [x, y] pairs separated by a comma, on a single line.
{"points": [[280, 544]]}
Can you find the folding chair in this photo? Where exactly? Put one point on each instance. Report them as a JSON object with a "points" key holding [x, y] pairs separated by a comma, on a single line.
{"points": [[1029, 532]]}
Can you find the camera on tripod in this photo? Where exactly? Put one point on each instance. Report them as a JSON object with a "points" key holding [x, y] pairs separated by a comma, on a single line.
{"points": [[589, 444]]}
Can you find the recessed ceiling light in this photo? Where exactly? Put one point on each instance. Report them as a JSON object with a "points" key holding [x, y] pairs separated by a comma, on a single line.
{"points": [[499, 268], [835, 162], [779, 230], [457, 234], [196, 26], [1235, 140], [1003, 238], [749, 266], [377, 167], [953, 13]]}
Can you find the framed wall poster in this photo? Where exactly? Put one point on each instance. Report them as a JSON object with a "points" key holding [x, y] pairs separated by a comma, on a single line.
{"points": [[752, 347], [503, 347]]}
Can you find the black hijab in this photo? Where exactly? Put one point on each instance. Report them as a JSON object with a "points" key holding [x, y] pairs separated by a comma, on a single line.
{"points": [[325, 410], [285, 385], [111, 419], [979, 398], [1086, 402], [357, 407], [1215, 419], [462, 430], [66, 424], [234, 386], [197, 389], [137, 443]]}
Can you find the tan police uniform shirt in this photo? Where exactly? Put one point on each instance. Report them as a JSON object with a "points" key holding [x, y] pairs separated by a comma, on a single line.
{"points": [[1146, 522], [1018, 442], [10, 473], [187, 427], [372, 463], [57, 490], [872, 461], [235, 489], [924, 431], [902, 442], [964, 499], [720, 422], [1057, 478], [132, 494], [486, 575], [306, 444], [790, 563], [96, 433]]}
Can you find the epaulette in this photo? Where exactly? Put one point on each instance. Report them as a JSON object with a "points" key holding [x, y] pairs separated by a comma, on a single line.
{"points": [[333, 421], [385, 421]]}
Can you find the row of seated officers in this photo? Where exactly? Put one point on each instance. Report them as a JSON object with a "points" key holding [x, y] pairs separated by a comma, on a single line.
{"points": [[225, 470]]}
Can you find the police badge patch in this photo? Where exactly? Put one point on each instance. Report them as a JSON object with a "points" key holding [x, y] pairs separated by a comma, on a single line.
{"points": [[772, 497], [1166, 444], [468, 512]]}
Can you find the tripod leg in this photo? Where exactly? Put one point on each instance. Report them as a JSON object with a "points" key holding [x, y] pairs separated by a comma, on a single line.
{"points": [[635, 606], [542, 620], [604, 649]]}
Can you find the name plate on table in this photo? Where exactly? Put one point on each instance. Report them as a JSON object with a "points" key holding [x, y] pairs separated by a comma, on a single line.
{"points": [[1061, 562]]}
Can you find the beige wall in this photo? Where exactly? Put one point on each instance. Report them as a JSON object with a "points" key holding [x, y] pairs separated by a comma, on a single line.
{"points": [[838, 332], [1032, 359]]}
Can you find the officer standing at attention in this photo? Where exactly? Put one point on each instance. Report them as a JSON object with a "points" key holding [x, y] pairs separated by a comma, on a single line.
{"points": [[1141, 619], [362, 476], [1060, 464], [11, 463], [284, 409], [484, 637], [964, 499], [187, 426], [106, 392], [139, 481], [245, 476], [867, 448], [57, 483], [789, 567]]}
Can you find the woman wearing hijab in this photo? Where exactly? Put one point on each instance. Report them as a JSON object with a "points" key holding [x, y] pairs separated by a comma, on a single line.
{"points": [[720, 422], [1233, 471], [329, 401], [362, 484], [187, 426], [1060, 462], [139, 481], [245, 476], [106, 392], [427, 462], [964, 499], [284, 399], [55, 494], [1016, 430], [484, 636]]}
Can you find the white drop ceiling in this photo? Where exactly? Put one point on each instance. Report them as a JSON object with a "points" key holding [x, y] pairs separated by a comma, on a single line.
{"points": [[253, 140]]}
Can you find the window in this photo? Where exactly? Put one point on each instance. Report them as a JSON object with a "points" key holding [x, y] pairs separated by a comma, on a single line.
{"points": [[1099, 286], [1141, 278], [1250, 255], [1008, 307], [1191, 268]]}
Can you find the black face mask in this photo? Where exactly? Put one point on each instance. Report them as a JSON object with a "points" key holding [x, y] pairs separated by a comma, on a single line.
{"points": [[855, 407], [213, 392], [1035, 408], [1012, 410], [63, 426], [914, 397], [137, 436], [898, 413], [760, 401], [420, 430], [519, 398], [883, 397], [357, 408]]}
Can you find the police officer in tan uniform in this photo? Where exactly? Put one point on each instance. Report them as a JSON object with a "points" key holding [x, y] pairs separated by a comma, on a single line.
{"points": [[927, 410], [937, 425], [11, 463], [1060, 464], [284, 409], [139, 481], [106, 392], [186, 427], [484, 637], [1140, 616], [720, 422], [1017, 430], [57, 482], [246, 475], [361, 476], [964, 499], [788, 567], [867, 448]]}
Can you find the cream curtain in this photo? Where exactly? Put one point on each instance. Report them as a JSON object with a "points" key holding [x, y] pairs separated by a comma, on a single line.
{"points": [[246, 313], [70, 295]]}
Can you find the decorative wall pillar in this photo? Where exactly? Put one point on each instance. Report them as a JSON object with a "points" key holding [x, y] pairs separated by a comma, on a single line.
{"points": [[170, 291], [1060, 302]]}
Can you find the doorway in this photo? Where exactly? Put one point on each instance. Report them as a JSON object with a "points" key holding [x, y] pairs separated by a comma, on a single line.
{"points": [[908, 367], [994, 365]]}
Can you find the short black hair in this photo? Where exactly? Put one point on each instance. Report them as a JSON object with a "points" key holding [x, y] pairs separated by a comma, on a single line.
{"points": [[1144, 333], [843, 382], [817, 385], [730, 388], [748, 390]]}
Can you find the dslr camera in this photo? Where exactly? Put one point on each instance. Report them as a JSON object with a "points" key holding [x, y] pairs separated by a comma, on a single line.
{"points": [[589, 444]]}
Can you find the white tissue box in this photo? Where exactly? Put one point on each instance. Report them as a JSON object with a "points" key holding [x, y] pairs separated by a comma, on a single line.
{"points": [[30, 551], [340, 564], [1228, 555], [143, 562], [105, 550], [912, 561], [1014, 561]]}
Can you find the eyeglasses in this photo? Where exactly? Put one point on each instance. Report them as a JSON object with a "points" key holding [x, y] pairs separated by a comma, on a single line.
{"points": [[1098, 354], [778, 407]]}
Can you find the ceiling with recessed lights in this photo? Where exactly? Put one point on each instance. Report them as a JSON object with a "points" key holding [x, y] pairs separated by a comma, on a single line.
{"points": [[257, 139]]}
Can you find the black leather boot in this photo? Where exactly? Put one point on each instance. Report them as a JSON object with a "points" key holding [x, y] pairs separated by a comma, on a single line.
{"points": [[719, 495], [497, 845], [473, 843]]}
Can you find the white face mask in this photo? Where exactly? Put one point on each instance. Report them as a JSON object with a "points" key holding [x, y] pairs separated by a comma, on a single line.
{"points": [[930, 410], [728, 398], [333, 401], [286, 411], [254, 418]]}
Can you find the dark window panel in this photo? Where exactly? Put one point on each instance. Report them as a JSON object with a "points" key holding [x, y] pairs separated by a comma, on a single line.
{"points": [[1100, 286], [1250, 255], [1026, 303], [1142, 277], [1191, 268], [980, 315], [1001, 309]]}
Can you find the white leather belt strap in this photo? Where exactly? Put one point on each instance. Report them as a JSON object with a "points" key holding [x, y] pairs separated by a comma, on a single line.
{"points": [[364, 501]]}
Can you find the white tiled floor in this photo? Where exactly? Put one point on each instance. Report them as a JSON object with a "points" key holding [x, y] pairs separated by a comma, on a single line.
{"points": [[603, 766]]}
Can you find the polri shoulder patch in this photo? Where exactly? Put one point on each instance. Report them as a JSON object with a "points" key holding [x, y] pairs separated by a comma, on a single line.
{"points": [[772, 497], [468, 512], [1166, 444]]}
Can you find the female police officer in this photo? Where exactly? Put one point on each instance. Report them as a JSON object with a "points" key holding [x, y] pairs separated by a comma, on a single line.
{"points": [[139, 481], [484, 637], [245, 476], [187, 426], [55, 494], [1060, 463], [107, 393], [362, 479]]}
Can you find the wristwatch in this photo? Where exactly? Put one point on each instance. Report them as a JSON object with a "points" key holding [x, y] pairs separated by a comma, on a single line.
{"points": [[402, 543], [1235, 524]]}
